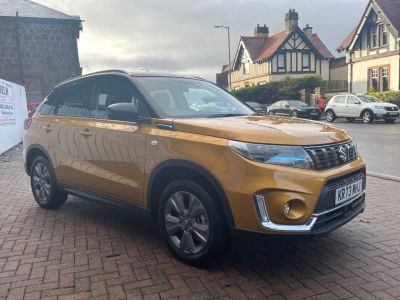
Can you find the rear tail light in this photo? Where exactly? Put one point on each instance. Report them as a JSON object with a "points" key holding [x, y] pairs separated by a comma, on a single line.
{"points": [[27, 123]]}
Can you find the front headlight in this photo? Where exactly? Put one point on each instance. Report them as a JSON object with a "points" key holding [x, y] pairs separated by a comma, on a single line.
{"points": [[379, 107], [289, 156]]}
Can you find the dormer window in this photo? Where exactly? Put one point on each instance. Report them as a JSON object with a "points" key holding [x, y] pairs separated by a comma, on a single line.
{"points": [[384, 35], [306, 61], [374, 36], [281, 62]]}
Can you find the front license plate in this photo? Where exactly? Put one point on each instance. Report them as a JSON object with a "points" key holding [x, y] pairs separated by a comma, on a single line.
{"points": [[348, 192], [313, 114], [393, 113]]}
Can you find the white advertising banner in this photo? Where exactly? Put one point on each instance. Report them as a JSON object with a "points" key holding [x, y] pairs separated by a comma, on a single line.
{"points": [[7, 110], [13, 112]]}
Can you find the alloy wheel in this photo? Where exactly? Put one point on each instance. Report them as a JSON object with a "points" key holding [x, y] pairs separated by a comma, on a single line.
{"points": [[294, 114], [41, 183], [367, 117], [186, 222], [329, 116]]}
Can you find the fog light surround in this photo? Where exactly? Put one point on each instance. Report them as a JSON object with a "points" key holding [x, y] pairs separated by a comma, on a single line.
{"points": [[261, 208]]}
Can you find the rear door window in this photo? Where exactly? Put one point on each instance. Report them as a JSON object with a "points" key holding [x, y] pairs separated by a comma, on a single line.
{"points": [[340, 99], [73, 100]]}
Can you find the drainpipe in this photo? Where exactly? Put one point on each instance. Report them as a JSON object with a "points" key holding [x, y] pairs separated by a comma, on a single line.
{"points": [[21, 69]]}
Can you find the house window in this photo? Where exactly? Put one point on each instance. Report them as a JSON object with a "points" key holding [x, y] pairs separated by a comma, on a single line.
{"points": [[306, 61], [379, 78], [246, 68], [384, 35], [385, 79], [281, 62], [374, 79], [374, 36]]}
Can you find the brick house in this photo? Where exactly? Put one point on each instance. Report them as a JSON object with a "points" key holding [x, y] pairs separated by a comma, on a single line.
{"points": [[38, 46], [291, 52], [373, 48]]}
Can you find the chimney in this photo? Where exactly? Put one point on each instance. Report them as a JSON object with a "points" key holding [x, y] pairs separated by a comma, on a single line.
{"points": [[307, 31], [291, 20], [261, 31]]}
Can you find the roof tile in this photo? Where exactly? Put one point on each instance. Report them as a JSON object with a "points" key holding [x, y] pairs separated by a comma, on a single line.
{"points": [[30, 9]]}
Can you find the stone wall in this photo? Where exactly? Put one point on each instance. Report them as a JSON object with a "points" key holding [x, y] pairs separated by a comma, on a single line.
{"points": [[47, 52]]}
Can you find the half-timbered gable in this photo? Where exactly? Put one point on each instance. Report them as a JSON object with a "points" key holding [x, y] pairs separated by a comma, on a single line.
{"points": [[373, 48], [292, 52]]}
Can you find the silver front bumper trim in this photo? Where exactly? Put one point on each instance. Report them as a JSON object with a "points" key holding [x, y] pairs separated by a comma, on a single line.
{"points": [[302, 228]]}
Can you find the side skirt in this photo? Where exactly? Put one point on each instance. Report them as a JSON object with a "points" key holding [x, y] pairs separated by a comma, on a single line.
{"points": [[81, 193]]}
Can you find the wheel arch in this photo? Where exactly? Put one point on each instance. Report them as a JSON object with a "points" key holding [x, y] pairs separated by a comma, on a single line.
{"points": [[367, 109], [171, 170], [32, 152]]}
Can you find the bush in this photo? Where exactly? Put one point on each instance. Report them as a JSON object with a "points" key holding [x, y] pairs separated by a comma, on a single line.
{"points": [[392, 96], [277, 90]]}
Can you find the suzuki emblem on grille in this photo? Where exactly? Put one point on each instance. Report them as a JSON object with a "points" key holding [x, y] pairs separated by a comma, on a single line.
{"points": [[343, 153]]}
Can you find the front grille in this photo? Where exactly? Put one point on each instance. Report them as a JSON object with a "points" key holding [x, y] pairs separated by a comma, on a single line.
{"points": [[327, 198], [332, 155], [336, 216], [392, 108]]}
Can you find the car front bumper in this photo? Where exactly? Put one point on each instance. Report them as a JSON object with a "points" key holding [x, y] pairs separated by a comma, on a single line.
{"points": [[387, 115], [314, 212]]}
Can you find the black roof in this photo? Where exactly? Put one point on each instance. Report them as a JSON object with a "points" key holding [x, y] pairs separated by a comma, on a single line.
{"points": [[132, 74], [30, 9]]}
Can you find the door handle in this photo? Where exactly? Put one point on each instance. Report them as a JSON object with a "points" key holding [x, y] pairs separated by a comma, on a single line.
{"points": [[85, 133], [48, 128]]}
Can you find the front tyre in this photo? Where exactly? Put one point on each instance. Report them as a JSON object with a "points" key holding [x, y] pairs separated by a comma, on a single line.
{"points": [[367, 116], [330, 116], [191, 224], [293, 114], [44, 185]]}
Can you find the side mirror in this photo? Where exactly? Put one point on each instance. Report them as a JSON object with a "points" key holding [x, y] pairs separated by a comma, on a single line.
{"points": [[287, 105], [122, 112]]}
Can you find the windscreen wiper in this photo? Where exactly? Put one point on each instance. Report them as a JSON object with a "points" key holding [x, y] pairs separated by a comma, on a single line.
{"points": [[225, 115]]}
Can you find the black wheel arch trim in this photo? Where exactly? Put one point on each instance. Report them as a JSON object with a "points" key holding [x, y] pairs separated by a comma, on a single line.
{"points": [[41, 149], [367, 109], [199, 170]]}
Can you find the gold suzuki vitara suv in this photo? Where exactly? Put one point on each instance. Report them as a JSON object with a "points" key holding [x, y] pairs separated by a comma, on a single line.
{"points": [[199, 161]]}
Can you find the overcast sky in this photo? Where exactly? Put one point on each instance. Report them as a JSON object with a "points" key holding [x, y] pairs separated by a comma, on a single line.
{"points": [[179, 35]]}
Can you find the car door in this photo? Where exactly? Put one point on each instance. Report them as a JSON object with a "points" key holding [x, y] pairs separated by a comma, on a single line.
{"points": [[277, 107], [353, 107], [339, 105], [285, 108], [114, 151], [70, 112]]}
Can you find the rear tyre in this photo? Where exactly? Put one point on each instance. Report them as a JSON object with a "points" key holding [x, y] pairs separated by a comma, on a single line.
{"points": [[367, 116], [44, 185], [389, 121], [270, 113], [191, 224], [351, 120], [330, 116]]}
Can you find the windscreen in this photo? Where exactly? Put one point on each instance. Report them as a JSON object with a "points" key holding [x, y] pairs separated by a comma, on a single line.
{"points": [[190, 98]]}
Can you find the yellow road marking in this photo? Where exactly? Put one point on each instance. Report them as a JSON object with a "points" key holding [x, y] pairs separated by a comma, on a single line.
{"points": [[384, 176]]}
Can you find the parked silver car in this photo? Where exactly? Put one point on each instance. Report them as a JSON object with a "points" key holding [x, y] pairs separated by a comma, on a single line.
{"points": [[366, 107]]}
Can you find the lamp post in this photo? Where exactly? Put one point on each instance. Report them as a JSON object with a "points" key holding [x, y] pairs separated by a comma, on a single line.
{"points": [[229, 52]]}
